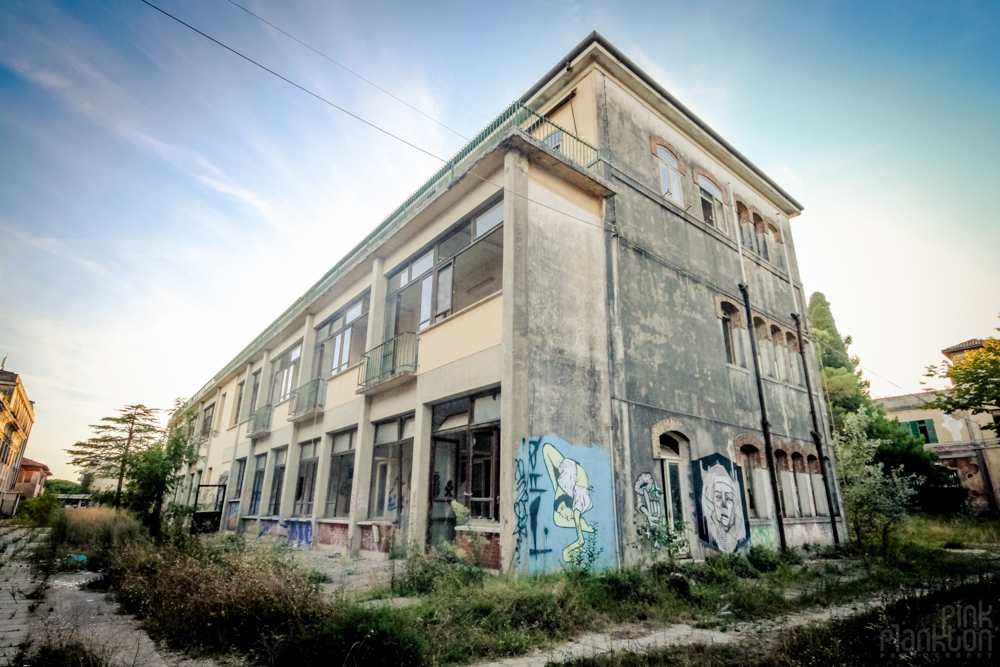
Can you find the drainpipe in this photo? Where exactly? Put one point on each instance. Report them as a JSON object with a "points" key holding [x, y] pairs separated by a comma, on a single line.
{"points": [[817, 440], [765, 425]]}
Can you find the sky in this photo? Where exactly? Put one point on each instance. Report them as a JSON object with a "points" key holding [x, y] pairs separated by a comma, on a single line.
{"points": [[163, 200]]}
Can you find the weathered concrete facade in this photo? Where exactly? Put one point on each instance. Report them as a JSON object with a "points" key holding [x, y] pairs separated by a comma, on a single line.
{"points": [[17, 414], [553, 338]]}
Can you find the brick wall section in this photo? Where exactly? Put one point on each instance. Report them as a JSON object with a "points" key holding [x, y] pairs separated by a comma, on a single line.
{"points": [[376, 538], [491, 551], [332, 534]]}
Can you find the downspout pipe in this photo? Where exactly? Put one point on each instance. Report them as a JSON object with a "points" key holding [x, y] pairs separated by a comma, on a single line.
{"points": [[765, 425], [817, 439]]}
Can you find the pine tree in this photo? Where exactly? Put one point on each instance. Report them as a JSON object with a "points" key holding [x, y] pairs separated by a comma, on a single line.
{"points": [[116, 438]]}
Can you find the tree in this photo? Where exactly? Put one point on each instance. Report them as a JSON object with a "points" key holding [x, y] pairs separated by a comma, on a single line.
{"points": [[115, 438], [976, 379], [152, 474], [62, 486], [846, 391], [876, 501]]}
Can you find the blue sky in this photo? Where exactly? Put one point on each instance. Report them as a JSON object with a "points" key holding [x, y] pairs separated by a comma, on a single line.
{"points": [[162, 200]]}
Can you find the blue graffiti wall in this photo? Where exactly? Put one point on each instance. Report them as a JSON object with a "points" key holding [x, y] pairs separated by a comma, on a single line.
{"points": [[564, 506]]}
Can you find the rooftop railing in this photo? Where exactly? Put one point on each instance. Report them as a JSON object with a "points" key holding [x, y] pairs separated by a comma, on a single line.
{"points": [[393, 358]]}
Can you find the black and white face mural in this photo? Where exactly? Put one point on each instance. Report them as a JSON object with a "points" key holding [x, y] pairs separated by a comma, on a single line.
{"points": [[719, 503]]}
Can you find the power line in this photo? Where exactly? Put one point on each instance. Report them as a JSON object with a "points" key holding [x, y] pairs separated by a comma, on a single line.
{"points": [[366, 122], [346, 69]]}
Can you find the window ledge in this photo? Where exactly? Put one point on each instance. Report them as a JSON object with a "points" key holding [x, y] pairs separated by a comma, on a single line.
{"points": [[738, 368], [491, 527], [765, 521], [346, 370], [376, 522], [343, 520]]}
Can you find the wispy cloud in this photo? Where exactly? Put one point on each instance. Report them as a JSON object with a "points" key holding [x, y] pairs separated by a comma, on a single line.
{"points": [[53, 246]]}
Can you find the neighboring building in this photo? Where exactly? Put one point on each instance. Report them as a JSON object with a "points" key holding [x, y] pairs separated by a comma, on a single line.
{"points": [[958, 438], [584, 379], [31, 478], [17, 415]]}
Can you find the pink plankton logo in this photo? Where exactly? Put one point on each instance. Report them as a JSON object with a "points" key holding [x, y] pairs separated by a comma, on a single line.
{"points": [[965, 631]]}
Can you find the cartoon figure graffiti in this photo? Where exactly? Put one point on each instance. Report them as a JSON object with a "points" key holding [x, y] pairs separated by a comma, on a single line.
{"points": [[572, 499], [647, 499], [564, 527], [722, 519]]}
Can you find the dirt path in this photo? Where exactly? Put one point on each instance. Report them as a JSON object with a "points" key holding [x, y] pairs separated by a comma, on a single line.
{"points": [[639, 639], [68, 614]]}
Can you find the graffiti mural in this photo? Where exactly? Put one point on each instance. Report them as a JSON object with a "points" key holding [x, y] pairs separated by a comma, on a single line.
{"points": [[298, 533], [718, 494], [562, 498], [764, 536], [648, 500]]}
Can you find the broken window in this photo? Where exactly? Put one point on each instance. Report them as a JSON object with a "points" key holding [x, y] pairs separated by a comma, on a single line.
{"points": [[338, 492], [340, 340], [748, 456], [466, 453], [241, 469], [711, 203], [392, 464], [208, 418], [285, 374], [305, 482], [462, 268], [258, 484], [239, 403], [277, 482], [670, 176]]}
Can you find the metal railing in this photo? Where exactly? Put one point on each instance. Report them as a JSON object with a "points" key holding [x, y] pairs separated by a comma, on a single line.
{"points": [[260, 421], [307, 399], [391, 359]]}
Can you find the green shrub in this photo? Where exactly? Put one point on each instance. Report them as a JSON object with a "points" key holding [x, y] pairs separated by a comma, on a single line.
{"points": [[764, 559], [39, 511], [435, 571]]}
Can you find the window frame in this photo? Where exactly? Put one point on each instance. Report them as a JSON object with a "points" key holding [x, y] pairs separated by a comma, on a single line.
{"points": [[303, 501], [343, 356], [287, 365], [673, 172], [277, 480], [241, 469], [379, 499], [257, 489], [440, 263], [716, 216], [469, 428], [337, 462]]}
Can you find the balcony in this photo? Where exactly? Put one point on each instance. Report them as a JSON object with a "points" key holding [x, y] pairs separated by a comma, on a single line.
{"points": [[388, 364], [260, 422], [307, 400]]}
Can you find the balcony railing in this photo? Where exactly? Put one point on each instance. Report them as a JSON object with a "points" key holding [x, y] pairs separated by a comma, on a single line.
{"points": [[260, 421], [307, 400], [392, 359]]}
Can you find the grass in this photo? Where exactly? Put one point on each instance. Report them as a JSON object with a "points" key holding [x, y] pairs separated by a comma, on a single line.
{"points": [[97, 533], [865, 640], [959, 532], [222, 594]]}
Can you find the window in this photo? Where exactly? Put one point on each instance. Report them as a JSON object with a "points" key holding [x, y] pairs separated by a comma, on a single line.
{"points": [[254, 394], [305, 482], [781, 464], [462, 268], [277, 482], [765, 349], [392, 463], [731, 339], [923, 429], [239, 403], [341, 339], [207, 420], [780, 354], [554, 140], [818, 492], [711, 203], [241, 468], [670, 476], [258, 484], [794, 359], [748, 455], [338, 492], [670, 176], [285, 374], [803, 485], [466, 456], [8, 442]]}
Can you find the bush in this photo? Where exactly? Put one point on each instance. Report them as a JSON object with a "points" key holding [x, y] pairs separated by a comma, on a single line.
{"points": [[97, 532], [40, 510], [435, 571], [764, 559]]}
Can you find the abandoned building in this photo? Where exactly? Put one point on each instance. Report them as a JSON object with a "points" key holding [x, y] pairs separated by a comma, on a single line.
{"points": [[548, 336], [958, 438], [17, 414]]}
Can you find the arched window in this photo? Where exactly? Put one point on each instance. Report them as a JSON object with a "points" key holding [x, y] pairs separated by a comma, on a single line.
{"points": [[803, 485], [794, 358], [781, 466], [670, 175], [745, 225], [671, 445], [819, 495], [8, 443], [712, 211], [758, 227], [765, 349], [731, 338], [749, 458], [780, 354]]}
